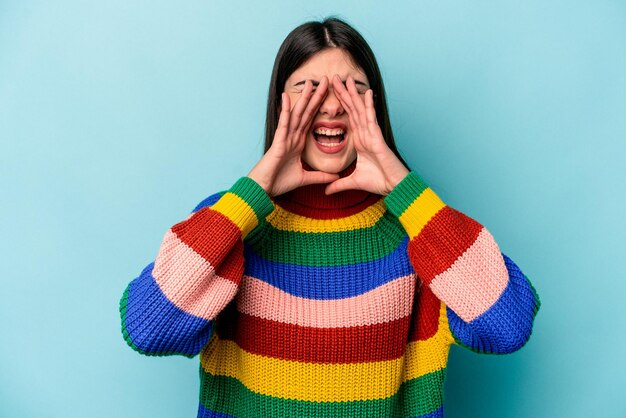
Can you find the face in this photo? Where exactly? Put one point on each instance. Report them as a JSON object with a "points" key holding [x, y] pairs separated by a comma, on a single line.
{"points": [[327, 62]]}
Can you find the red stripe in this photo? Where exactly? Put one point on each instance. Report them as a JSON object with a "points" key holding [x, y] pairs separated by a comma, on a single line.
{"points": [[444, 239], [311, 200], [425, 322], [269, 338], [215, 238], [294, 206], [232, 267]]}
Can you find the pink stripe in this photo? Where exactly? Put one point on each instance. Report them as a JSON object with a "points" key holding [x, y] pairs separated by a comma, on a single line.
{"points": [[476, 279], [189, 281], [386, 303]]}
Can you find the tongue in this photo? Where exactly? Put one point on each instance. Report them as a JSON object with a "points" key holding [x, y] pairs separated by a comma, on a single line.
{"points": [[323, 139]]}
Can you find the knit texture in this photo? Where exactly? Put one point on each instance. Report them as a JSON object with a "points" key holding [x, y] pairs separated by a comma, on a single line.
{"points": [[308, 305]]}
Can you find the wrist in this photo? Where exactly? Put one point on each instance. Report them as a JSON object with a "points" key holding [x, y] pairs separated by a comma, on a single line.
{"points": [[246, 204], [260, 180], [396, 178], [405, 193]]}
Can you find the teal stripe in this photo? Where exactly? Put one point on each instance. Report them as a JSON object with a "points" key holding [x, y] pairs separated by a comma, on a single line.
{"points": [[229, 396]]}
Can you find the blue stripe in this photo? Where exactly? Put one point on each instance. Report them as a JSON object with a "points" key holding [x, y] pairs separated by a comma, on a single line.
{"points": [[207, 413], [435, 414], [209, 201], [329, 282], [504, 327], [158, 327]]}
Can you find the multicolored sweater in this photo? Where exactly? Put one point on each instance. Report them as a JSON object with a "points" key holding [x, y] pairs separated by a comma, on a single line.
{"points": [[308, 305]]}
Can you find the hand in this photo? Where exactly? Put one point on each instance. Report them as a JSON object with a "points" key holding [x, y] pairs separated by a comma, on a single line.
{"points": [[280, 170], [377, 170]]}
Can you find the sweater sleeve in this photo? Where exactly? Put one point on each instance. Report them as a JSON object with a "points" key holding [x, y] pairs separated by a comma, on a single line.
{"points": [[490, 303], [170, 308]]}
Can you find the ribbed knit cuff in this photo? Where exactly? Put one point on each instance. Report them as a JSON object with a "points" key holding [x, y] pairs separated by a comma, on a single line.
{"points": [[405, 192], [246, 203], [413, 203], [254, 195]]}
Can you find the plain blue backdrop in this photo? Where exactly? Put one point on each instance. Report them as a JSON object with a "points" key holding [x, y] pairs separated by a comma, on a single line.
{"points": [[118, 117]]}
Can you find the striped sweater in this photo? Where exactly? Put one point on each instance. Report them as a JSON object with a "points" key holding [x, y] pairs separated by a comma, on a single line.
{"points": [[308, 305]]}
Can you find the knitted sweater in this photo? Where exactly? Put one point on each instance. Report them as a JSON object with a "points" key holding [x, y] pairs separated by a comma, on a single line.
{"points": [[308, 305]]}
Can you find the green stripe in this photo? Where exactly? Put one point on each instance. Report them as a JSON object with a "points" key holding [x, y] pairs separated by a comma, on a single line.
{"points": [[405, 192], [330, 248], [254, 195], [229, 396], [122, 309], [537, 300]]}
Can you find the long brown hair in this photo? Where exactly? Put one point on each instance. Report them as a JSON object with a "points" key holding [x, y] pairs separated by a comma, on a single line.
{"points": [[311, 38]]}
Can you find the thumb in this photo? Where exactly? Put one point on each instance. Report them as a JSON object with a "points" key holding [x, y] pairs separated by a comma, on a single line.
{"points": [[313, 177], [345, 183]]}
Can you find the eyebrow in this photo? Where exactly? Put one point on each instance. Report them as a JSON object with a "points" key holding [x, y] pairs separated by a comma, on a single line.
{"points": [[315, 83]]}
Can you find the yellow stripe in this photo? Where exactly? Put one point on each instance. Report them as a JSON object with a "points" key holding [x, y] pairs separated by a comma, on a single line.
{"points": [[417, 215], [444, 327], [324, 382], [284, 220], [238, 211]]}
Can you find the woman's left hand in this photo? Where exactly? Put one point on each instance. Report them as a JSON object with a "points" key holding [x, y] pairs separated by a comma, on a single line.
{"points": [[377, 170]]}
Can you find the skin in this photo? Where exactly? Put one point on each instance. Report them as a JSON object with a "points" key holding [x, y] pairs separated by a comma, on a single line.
{"points": [[280, 170], [327, 63]]}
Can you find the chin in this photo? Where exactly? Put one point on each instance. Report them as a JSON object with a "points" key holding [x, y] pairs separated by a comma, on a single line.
{"points": [[328, 166]]}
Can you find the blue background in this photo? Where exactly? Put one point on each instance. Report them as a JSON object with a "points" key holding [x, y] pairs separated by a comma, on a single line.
{"points": [[118, 117]]}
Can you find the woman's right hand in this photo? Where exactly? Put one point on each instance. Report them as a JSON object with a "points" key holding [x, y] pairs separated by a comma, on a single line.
{"points": [[280, 170]]}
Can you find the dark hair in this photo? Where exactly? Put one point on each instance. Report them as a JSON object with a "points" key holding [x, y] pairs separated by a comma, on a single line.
{"points": [[311, 38]]}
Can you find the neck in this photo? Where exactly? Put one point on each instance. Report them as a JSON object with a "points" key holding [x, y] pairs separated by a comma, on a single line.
{"points": [[312, 202]]}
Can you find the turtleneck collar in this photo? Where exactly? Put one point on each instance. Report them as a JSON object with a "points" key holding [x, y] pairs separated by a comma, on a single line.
{"points": [[312, 202]]}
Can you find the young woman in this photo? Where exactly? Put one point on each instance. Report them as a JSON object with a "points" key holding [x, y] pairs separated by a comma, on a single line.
{"points": [[331, 280]]}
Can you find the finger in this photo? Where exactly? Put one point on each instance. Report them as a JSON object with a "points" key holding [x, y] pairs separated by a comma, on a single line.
{"points": [[356, 99], [342, 94], [296, 113], [283, 118], [370, 110], [344, 97], [314, 177], [314, 104], [345, 183], [354, 123]]}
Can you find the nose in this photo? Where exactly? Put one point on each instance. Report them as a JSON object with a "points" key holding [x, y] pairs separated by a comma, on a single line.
{"points": [[331, 105]]}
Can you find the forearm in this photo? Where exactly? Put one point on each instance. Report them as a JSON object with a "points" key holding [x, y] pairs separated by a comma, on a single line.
{"points": [[460, 261], [171, 306]]}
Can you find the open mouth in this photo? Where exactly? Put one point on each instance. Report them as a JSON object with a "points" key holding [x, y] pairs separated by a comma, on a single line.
{"points": [[329, 139]]}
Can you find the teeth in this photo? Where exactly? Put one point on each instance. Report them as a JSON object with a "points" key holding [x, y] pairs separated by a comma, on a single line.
{"points": [[330, 144], [328, 132]]}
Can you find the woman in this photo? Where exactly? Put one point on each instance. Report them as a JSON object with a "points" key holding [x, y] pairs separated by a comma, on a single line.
{"points": [[331, 280]]}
